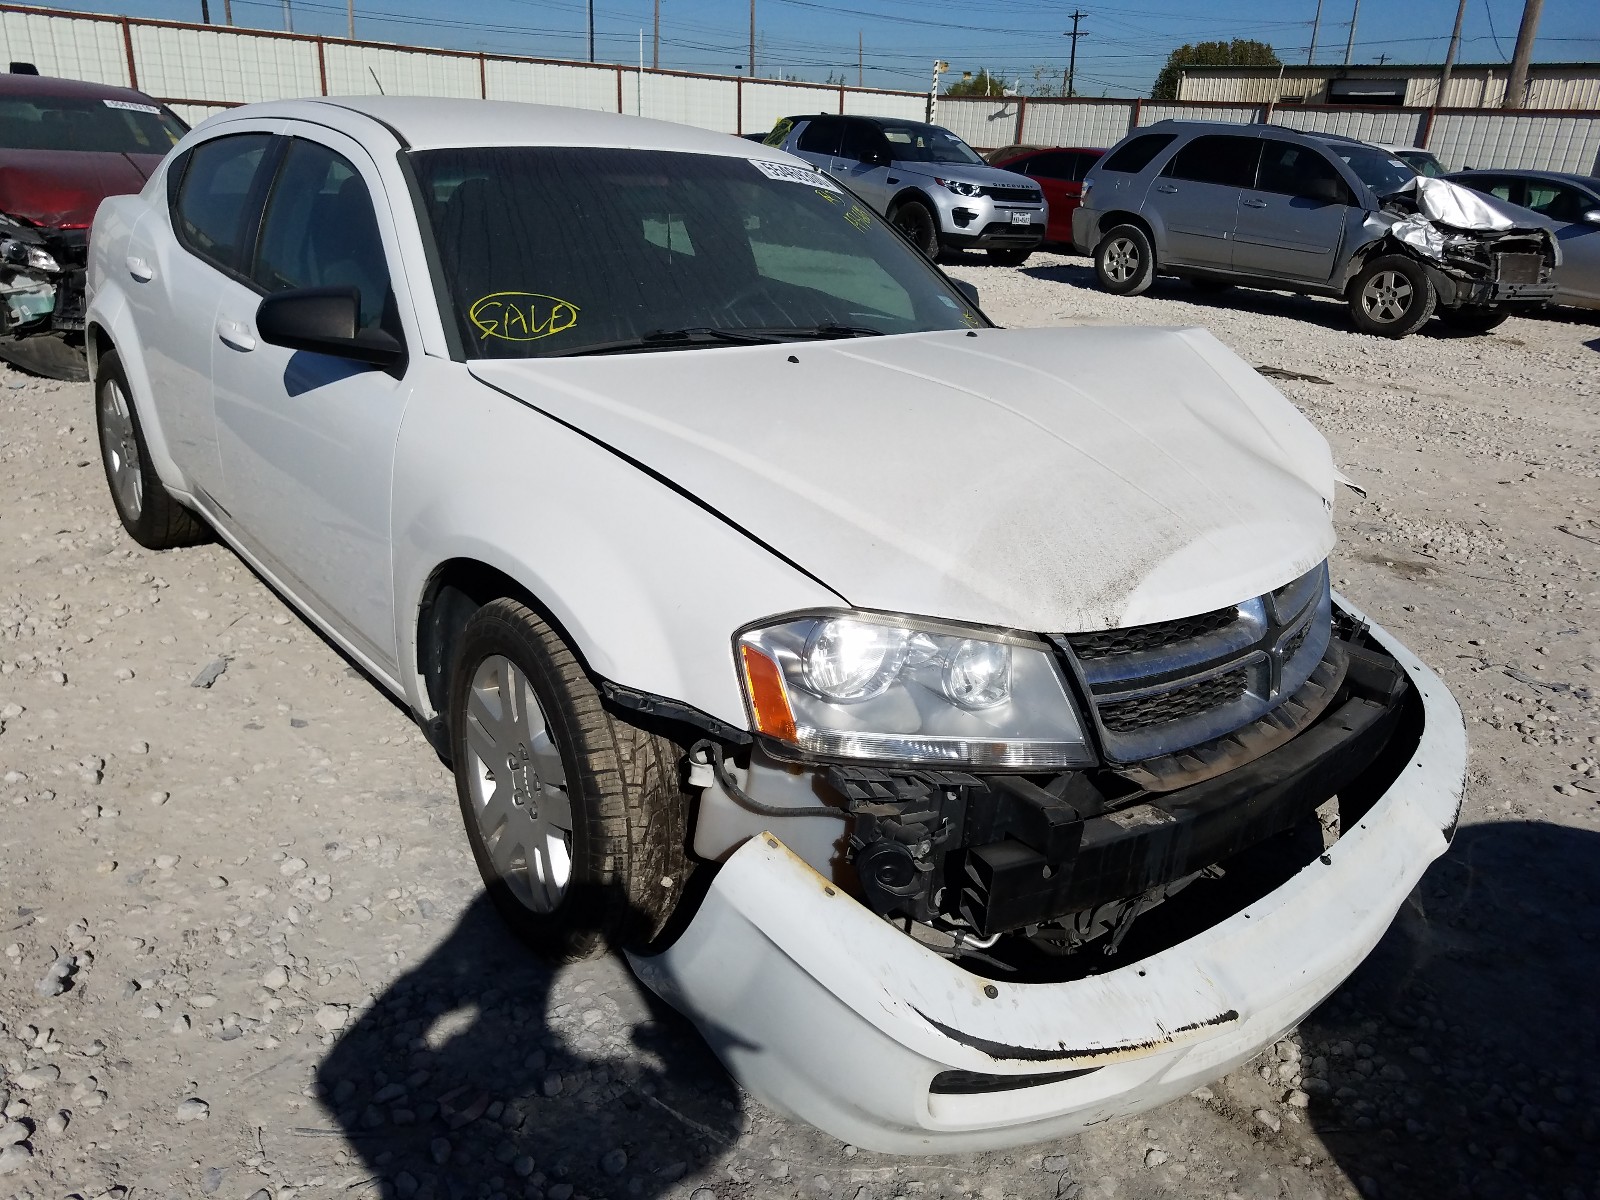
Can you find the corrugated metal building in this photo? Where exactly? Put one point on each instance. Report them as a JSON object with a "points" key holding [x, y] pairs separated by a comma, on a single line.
{"points": [[1394, 85]]}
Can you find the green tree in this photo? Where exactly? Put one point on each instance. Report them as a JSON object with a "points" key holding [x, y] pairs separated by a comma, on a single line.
{"points": [[1240, 52], [1046, 81], [981, 84]]}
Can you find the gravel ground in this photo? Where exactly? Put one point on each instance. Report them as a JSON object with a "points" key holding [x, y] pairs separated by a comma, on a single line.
{"points": [[246, 955]]}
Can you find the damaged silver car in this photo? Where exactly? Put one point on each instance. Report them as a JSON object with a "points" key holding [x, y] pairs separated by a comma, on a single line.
{"points": [[1269, 207]]}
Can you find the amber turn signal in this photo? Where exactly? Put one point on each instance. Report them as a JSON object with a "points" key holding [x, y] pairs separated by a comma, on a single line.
{"points": [[769, 701]]}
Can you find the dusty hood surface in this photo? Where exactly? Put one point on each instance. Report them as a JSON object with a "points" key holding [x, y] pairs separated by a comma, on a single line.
{"points": [[1053, 480], [63, 188]]}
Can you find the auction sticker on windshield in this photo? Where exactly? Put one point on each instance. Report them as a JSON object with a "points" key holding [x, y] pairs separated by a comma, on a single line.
{"points": [[792, 174], [521, 316], [131, 106]]}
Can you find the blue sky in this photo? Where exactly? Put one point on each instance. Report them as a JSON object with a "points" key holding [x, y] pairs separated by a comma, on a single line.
{"points": [[1123, 46]]}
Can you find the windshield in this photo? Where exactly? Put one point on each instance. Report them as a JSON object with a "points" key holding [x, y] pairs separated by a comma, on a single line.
{"points": [[1379, 170], [72, 123], [551, 251], [912, 142]]}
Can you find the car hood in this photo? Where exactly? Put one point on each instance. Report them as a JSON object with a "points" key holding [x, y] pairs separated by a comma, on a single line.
{"points": [[1050, 480], [983, 176], [58, 189]]}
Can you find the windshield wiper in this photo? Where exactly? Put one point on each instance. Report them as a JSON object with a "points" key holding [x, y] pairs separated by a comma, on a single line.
{"points": [[823, 332], [681, 339]]}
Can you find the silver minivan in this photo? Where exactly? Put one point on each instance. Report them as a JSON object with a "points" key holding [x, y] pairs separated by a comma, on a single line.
{"points": [[1264, 206]]}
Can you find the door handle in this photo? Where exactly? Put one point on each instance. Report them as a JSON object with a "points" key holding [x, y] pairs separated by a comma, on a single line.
{"points": [[1255, 203], [235, 334], [1166, 187], [140, 270], [892, 179]]}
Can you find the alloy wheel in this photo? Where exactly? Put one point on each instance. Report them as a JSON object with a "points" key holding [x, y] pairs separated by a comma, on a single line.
{"points": [[121, 449], [1387, 296], [1121, 260], [518, 786]]}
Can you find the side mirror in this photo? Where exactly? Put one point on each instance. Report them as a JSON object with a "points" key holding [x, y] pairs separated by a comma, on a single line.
{"points": [[1592, 217], [326, 320], [969, 290]]}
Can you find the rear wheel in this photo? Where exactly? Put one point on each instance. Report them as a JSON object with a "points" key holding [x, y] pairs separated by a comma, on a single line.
{"points": [[1472, 320], [1391, 297], [577, 821], [1124, 261], [915, 219], [152, 517], [1008, 258]]}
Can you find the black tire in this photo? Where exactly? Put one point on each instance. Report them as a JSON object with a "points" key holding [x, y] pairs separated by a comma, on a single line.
{"points": [[1209, 287], [629, 812], [1472, 320], [47, 354], [1391, 297], [916, 220], [1124, 261], [1008, 258], [150, 515]]}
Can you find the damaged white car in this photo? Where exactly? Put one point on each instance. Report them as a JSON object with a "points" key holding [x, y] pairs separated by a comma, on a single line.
{"points": [[955, 722]]}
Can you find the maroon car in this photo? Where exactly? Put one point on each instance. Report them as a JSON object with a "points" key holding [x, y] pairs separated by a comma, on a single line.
{"points": [[65, 146], [1059, 171]]}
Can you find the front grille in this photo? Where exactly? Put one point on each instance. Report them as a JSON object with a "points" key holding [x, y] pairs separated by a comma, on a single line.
{"points": [[1147, 712], [1518, 268], [1015, 195], [1296, 640], [1137, 638]]}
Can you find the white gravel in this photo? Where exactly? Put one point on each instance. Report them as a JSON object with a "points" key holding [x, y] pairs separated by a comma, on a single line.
{"points": [[262, 888]]}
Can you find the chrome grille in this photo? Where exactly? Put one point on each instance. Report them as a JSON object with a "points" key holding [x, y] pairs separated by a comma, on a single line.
{"points": [[1160, 688]]}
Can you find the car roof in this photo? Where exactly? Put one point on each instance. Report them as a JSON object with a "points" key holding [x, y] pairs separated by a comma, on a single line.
{"points": [[1588, 181], [1019, 151], [50, 85], [429, 123], [812, 116]]}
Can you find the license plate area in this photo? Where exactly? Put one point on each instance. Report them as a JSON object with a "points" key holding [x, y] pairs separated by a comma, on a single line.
{"points": [[1021, 218]]}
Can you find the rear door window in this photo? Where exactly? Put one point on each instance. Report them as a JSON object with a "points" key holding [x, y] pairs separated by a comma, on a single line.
{"points": [[212, 213], [1135, 156], [1296, 170], [863, 142], [1218, 158], [1555, 200], [820, 136]]}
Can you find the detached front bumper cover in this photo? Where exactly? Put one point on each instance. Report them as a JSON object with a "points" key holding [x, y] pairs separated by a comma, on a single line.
{"points": [[822, 1009]]}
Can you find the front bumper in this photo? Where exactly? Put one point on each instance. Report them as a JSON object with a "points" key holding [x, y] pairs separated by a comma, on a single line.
{"points": [[822, 1009], [983, 223]]}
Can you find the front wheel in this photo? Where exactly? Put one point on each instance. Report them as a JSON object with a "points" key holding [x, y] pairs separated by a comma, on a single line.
{"points": [[1124, 261], [577, 820], [1391, 297], [916, 220], [152, 517], [1008, 258], [1472, 320]]}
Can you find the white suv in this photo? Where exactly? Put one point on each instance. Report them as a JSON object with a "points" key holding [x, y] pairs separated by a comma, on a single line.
{"points": [[865, 671]]}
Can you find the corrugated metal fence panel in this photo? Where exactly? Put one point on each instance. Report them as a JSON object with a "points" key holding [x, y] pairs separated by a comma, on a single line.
{"points": [[766, 103], [706, 103], [551, 83], [904, 106], [1394, 126], [1564, 92], [981, 122], [1549, 143], [351, 69], [71, 47], [1076, 122], [1239, 114], [203, 64]]}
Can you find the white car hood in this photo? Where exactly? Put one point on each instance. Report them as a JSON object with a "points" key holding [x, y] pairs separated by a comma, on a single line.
{"points": [[1054, 480]]}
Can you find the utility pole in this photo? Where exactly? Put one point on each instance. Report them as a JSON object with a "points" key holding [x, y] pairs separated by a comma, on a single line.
{"points": [[288, 17], [1450, 55], [591, 30], [752, 39], [205, 12], [859, 43], [350, 17], [1517, 85], [227, 11], [655, 45], [1316, 23], [1072, 57], [1382, 58], [1350, 42]]}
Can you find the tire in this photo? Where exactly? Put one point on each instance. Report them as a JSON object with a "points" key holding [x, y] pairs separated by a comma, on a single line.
{"points": [[47, 354], [916, 220], [603, 864], [1209, 287], [1390, 297], [150, 515], [1472, 320], [1008, 258], [1124, 261]]}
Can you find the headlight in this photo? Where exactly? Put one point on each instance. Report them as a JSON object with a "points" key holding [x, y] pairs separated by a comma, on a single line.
{"points": [[960, 187], [858, 685], [23, 254]]}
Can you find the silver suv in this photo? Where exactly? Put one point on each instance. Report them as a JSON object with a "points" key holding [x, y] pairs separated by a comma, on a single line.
{"points": [[1264, 206], [931, 185]]}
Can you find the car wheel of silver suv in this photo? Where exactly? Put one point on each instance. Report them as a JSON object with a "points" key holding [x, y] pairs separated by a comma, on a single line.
{"points": [[1124, 261], [1391, 297]]}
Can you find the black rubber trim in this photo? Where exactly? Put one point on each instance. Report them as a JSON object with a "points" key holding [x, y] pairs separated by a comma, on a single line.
{"points": [[1001, 1052], [669, 709]]}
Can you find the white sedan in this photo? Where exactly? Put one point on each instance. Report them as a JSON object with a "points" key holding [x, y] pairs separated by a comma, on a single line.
{"points": [[872, 676]]}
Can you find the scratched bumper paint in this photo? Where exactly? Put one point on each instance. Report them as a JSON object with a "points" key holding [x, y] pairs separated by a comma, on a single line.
{"points": [[819, 1008]]}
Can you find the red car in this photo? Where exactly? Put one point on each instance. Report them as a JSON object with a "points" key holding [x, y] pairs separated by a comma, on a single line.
{"points": [[65, 146], [1059, 171]]}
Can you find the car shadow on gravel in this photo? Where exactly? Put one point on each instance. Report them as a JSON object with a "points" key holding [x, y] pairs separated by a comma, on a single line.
{"points": [[1458, 1059], [483, 1072]]}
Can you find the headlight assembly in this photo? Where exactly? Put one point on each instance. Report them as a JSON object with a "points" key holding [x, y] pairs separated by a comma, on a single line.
{"points": [[859, 685], [960, 187]]}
